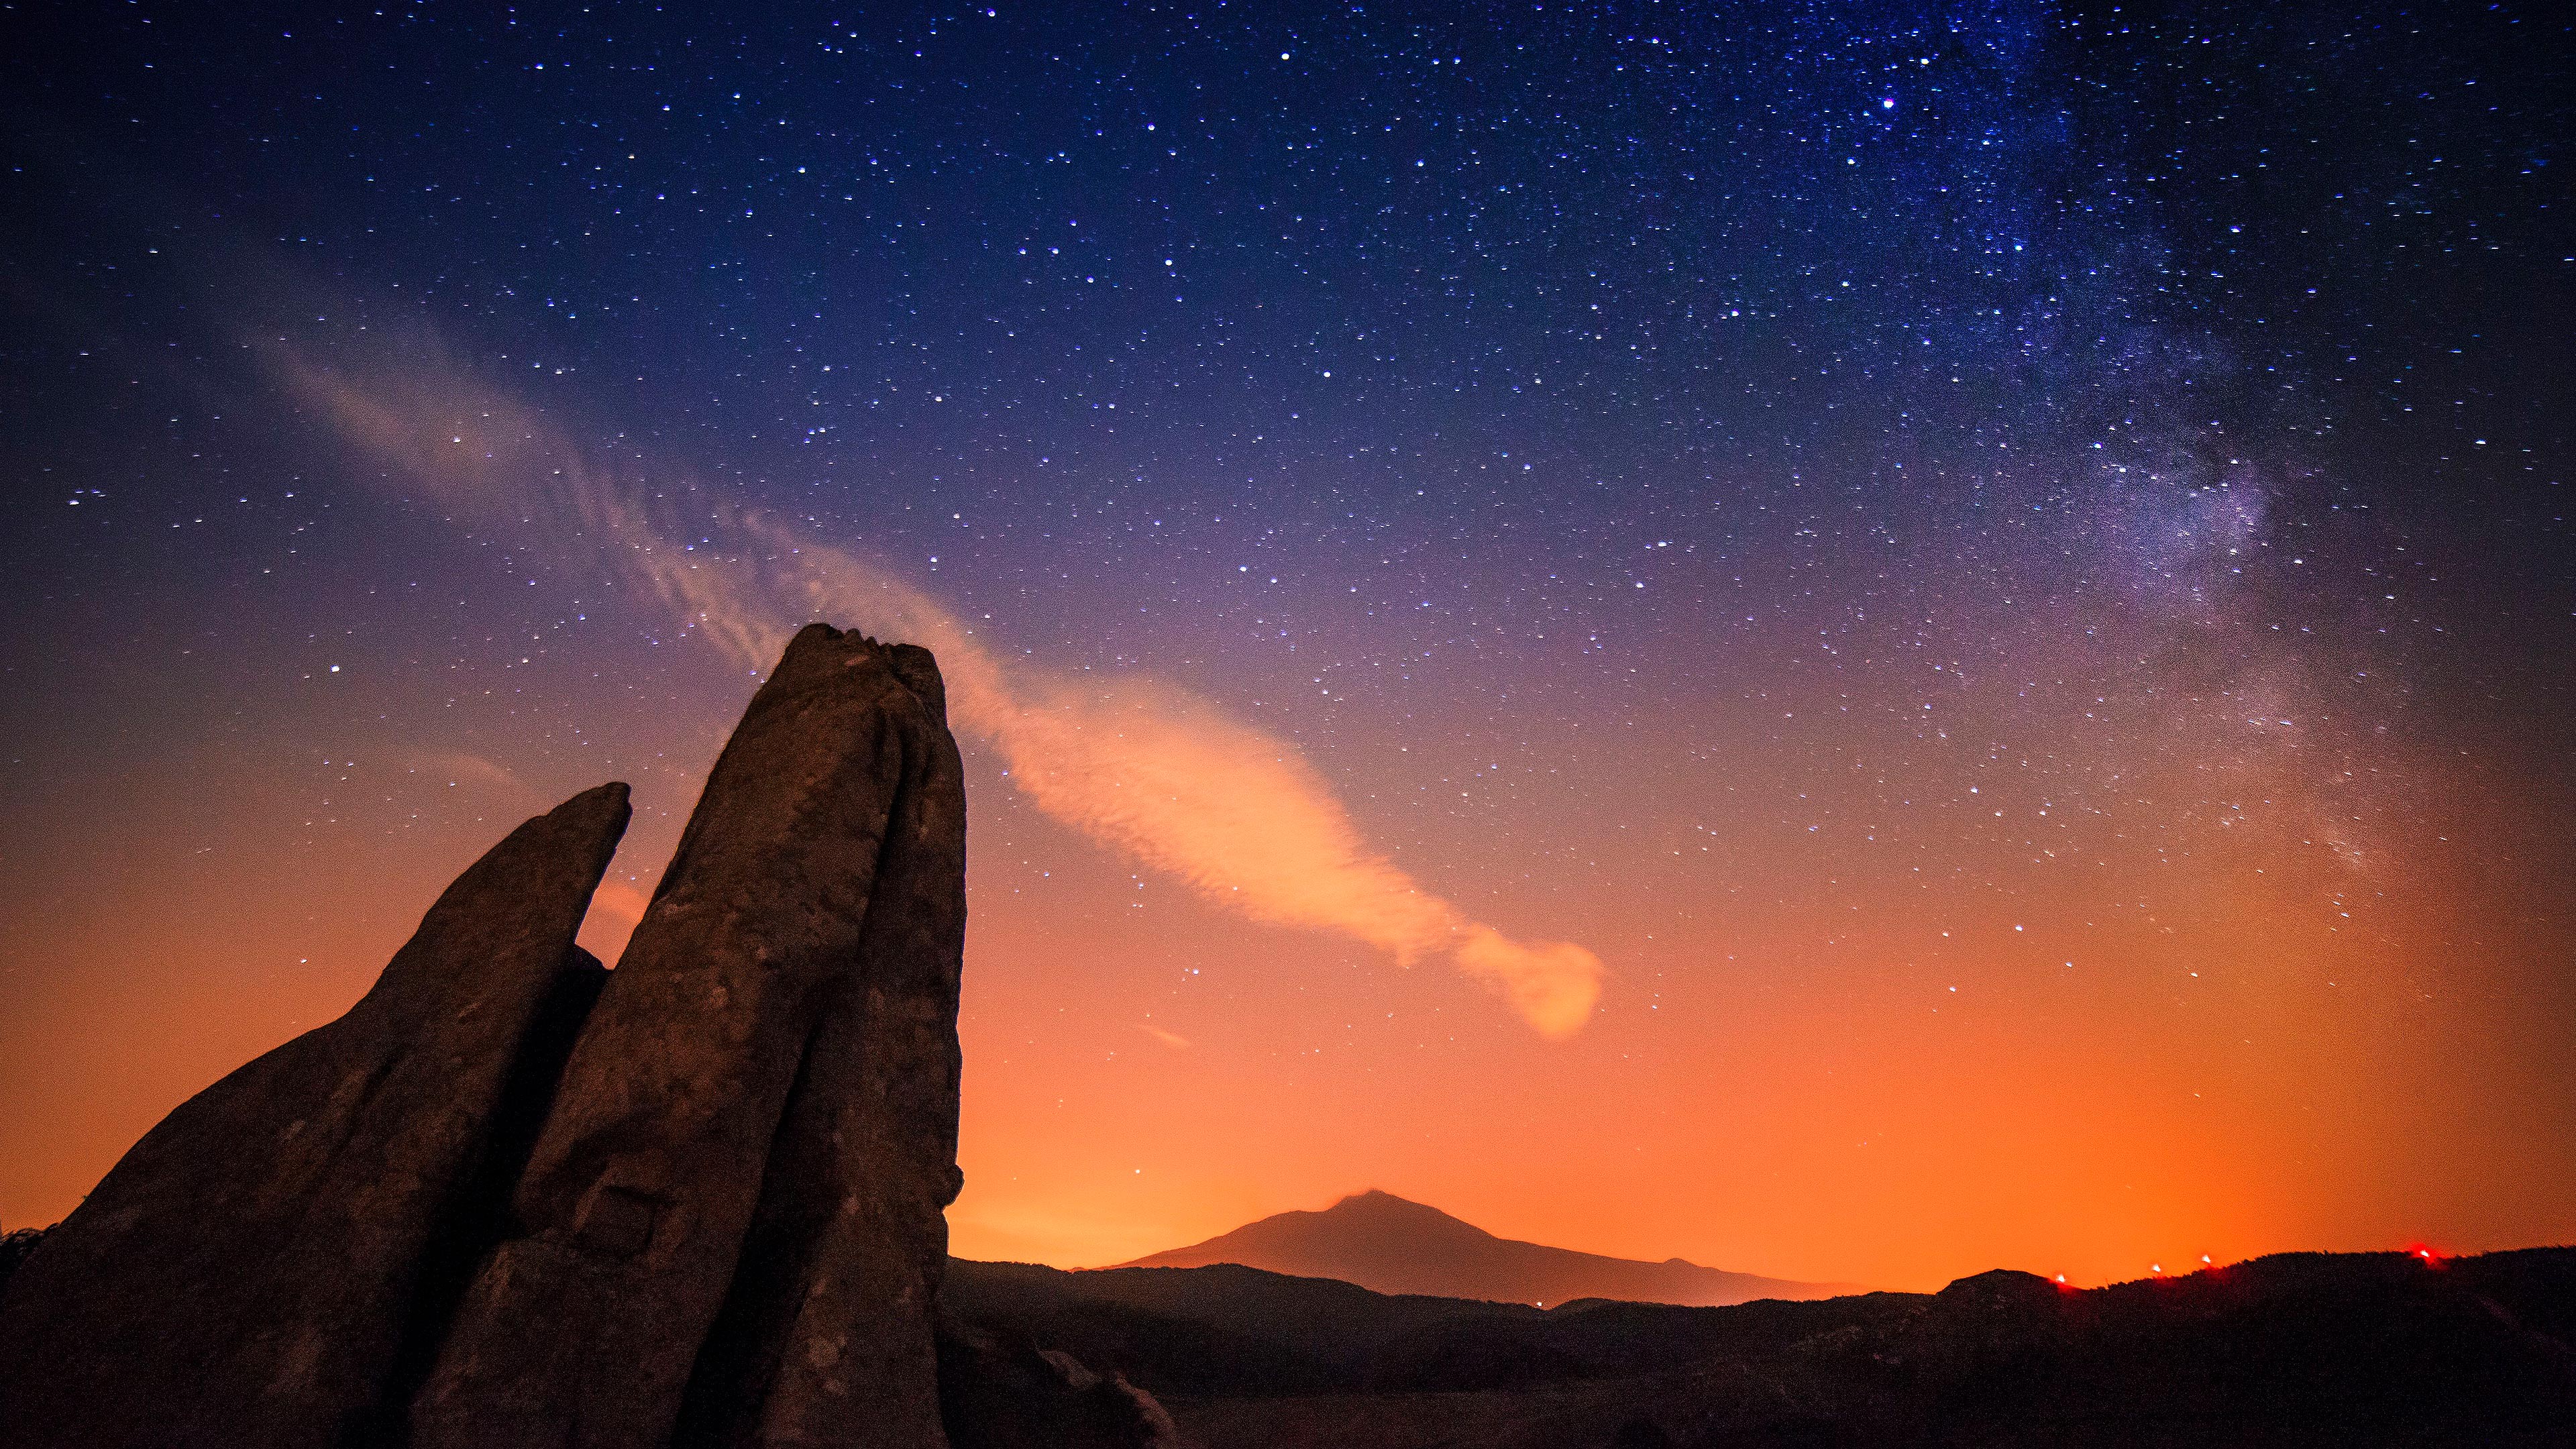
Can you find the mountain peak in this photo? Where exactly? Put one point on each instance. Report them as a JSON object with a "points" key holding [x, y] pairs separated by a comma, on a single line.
{"points": [[1391, 1244], [1379, 1203], [1380, 1215]]}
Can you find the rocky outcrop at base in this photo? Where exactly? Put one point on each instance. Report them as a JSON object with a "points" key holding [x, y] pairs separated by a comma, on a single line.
{"points": [[1003, 1392]]}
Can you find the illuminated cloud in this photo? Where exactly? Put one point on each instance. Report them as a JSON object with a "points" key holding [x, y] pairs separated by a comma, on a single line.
{"points": [[1150, 770]]}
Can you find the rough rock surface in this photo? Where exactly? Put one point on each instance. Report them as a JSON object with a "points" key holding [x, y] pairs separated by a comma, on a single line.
{"points": [[825, 1336], [759, 1119], [252, 1271]]}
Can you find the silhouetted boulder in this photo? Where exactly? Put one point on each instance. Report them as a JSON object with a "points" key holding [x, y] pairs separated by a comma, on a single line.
{"points": [[252, 1270], [2000, 1293], [15, 1245], [1002, 1392], [759, 1119]]}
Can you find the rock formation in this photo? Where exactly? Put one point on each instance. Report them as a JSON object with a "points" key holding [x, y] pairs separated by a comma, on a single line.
{"points": [[777, 1050], [249, 1272], [825, 1337], [999, 1391], [514, 1201]]}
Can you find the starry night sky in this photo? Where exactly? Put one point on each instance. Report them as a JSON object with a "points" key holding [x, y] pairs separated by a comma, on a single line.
{"points": [[1995, 577]]}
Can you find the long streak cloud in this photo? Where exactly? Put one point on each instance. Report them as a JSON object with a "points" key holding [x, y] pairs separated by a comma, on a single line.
{"points": [[1145, 768]]}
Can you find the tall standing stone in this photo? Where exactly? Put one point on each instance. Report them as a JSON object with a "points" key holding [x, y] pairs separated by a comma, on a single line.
{"points": [[253, 1270], [770, 957], [826, 1335]]}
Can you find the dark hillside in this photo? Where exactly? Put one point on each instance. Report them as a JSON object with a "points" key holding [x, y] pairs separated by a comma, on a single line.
{"points": [[2297, 1349]]}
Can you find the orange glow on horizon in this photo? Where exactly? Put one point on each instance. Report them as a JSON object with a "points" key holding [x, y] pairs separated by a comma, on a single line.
{"points": [[1145, 1070]]}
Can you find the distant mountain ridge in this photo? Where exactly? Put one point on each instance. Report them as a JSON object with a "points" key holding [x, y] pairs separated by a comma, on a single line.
{"points": [[1390, 1245], [2292, 1351]]}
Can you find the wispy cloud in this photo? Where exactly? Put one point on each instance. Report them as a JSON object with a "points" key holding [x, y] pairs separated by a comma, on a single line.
{"points": [[1151, 770], [481, 775]]}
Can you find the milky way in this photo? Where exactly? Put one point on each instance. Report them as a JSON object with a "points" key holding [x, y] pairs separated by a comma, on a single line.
{"points": [[1968, 610]]}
